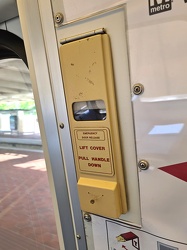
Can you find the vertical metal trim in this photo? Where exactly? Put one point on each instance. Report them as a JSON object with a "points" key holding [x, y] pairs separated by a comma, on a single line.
{"points": [[40, 76], [51, 46]]}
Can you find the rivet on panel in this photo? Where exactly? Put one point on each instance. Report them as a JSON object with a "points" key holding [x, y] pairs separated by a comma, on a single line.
{"points": [[87, 217], [78, 236], [61, 125], [138, 89], [143, 164], [59, 18]]}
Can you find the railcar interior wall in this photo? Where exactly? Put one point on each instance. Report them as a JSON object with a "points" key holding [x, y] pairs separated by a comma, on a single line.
{"points": [[109, 82]]}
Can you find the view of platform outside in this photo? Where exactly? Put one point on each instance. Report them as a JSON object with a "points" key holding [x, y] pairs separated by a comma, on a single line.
{"points": [[25, 197], [18, 118], [18, 122]]}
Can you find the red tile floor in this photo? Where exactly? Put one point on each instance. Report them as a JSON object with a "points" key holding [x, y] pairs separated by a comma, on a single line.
{"points": [[26, 212]]}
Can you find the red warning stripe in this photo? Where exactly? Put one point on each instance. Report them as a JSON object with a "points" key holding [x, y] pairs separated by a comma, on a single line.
{"points": [[178, 170]]}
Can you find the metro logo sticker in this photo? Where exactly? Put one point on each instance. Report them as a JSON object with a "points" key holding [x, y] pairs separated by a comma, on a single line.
{"points": [[159, 6], [93, 148]]}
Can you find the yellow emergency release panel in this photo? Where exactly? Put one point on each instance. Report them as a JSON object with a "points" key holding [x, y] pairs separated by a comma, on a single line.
{"points": [[89, 88]]}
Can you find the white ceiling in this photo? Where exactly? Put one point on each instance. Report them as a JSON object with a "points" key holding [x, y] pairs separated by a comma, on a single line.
{"points": [[8, 10], [15, 83]]}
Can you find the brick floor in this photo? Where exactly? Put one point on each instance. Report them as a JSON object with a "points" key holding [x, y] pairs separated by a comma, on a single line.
{"points": [[26, 212]]}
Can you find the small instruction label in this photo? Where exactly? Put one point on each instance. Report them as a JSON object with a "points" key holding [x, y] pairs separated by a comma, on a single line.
{"points": [[94, 151], [91, 135]]}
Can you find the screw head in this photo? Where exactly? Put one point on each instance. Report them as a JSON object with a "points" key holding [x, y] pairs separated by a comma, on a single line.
{"points": [[61, 125], [143, 164], [59, 18], [138, 89], [87, 217], [78, 236]]}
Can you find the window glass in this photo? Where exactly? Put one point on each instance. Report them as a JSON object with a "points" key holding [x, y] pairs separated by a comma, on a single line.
{"points": [[94, 110], [27, 217]]}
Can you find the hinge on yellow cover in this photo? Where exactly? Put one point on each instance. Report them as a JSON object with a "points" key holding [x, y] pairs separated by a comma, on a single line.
{"points": [[83, 35]]}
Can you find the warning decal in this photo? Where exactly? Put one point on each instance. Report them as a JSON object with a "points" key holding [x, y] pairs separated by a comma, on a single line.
{"points": [[129, 236], [121, 237], [94, 151]]}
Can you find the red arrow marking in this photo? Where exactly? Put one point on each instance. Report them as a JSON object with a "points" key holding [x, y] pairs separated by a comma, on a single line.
{"points": [[178, 170]]}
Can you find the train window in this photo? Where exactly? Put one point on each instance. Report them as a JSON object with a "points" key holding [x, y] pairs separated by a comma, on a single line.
{"points": [[25, 196], [17, 106]]}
